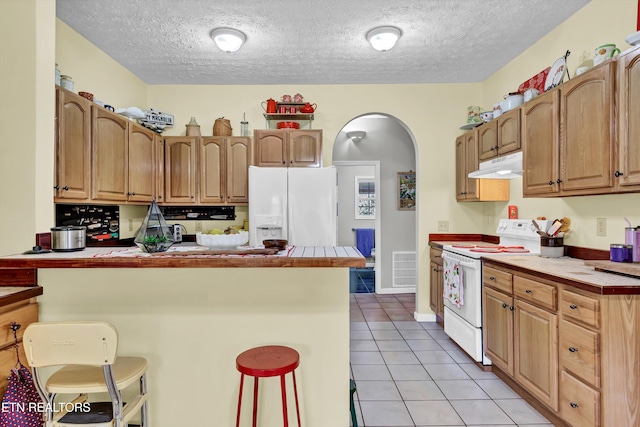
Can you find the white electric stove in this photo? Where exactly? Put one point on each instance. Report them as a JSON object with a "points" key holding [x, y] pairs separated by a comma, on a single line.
{"points": [[463, 323]]}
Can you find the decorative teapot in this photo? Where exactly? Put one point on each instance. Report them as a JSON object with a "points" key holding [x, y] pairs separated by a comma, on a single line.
{"points": [[270, 106], [308, 108], [297, 98]]}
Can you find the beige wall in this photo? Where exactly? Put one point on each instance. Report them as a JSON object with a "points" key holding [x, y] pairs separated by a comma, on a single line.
{"points": [[433, 114]]}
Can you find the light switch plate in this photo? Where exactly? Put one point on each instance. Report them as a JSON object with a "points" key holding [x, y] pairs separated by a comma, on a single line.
{"points": [[601, 226]]}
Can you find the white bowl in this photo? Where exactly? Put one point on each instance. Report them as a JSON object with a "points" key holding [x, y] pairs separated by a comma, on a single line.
{"points": [[223, 241]]}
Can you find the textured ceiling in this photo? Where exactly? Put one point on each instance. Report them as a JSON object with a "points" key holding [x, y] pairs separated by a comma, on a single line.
{"points": [[314, 41]]}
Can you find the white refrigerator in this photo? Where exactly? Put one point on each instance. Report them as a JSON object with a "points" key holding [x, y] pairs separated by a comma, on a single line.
{"points": [[296, 204]]}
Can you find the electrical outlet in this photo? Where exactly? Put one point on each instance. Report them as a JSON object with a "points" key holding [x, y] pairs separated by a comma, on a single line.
{"points": [[198, 225], [601, 226], [130, 224], [443, 225]]}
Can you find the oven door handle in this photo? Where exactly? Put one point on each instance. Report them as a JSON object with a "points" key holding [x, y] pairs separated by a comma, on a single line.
{"points": [[462, 262]]}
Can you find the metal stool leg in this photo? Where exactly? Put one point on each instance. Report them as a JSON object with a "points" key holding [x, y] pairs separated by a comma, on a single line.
{"points": [[255, 401], [295, 391], [240, 400], [352, 386], [283, 388]]}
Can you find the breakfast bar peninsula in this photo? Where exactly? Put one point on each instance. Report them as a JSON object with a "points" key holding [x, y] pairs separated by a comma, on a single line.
{"points": [[191, 314]]}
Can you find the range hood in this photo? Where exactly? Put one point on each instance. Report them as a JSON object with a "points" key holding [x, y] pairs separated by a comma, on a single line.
{"points": [[505, 167]]}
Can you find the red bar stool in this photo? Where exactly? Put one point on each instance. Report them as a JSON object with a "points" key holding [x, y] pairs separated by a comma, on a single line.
{"points": [[268, 361]]}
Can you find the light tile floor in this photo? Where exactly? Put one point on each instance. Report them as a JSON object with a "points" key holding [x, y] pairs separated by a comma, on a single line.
{"points": [[410, 374]]}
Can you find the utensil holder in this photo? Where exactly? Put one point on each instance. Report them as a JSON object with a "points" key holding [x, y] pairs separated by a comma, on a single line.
{"points": [[551, 247]]}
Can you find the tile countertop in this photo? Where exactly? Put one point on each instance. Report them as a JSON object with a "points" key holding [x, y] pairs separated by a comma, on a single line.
{"points": [[570, 271], [295, 256]]}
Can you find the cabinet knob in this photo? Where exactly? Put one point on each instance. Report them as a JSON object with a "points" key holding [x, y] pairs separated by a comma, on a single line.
{"points": [[573, 349], [574, 405], [496, 147], [56, 187], [65, 188], [511, 308], [550, 182], [492, 278], [528, 291], [618, 173], [133, 194], [504, 305], [558, 180], [573, 306], [492, 148]]}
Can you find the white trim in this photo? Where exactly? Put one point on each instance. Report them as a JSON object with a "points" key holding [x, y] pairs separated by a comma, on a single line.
{"points": [[391, 291], [424, 317]]}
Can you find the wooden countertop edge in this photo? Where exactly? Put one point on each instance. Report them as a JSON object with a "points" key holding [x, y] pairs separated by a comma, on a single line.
{"points": [[589, 287], [184, 262], [21, 295]]}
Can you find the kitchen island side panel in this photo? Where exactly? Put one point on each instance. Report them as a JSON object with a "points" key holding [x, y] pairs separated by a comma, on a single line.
{"points": [[191, 323]]}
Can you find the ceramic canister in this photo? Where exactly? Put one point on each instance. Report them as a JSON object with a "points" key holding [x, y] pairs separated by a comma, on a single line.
{"points": [[473, 115]]}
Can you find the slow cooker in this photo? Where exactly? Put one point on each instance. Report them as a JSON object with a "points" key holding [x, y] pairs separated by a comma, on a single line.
{"points": [[68, 238]]}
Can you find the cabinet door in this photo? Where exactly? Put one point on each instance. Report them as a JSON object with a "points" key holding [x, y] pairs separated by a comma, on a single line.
{"points": [[110, 151], [211, 170], [73, 145], [471, 164], [305, 148], [159, 168], [588, 129], [628, 166], [238, 159], [180, 170], [509, 131], [498, 328], [141, 164], [271, 148], [536, 352], [461, 169], [437, 288], [488, 140], [540, 145]]}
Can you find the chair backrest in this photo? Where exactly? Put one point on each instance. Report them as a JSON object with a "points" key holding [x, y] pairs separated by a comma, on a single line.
{"points": [[70, 343]]}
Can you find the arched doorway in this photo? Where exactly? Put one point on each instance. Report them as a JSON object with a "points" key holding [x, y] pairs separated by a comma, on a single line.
{"points": [[382, 145]]}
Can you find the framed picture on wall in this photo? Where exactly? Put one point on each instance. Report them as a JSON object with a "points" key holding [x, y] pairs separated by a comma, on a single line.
{"points": [[406, 191]]}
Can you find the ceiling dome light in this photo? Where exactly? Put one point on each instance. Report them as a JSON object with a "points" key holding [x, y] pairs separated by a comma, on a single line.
{"points": [[228, 39], [383, 38]]}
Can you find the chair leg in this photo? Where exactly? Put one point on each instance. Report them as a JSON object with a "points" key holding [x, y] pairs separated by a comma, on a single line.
{"points": [[240, 400], [255, 401], [354, 420], [283, 389], [295, 391], [144, 415]]}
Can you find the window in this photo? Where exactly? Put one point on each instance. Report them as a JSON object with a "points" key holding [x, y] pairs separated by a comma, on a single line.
{"points": [[365, 197]]}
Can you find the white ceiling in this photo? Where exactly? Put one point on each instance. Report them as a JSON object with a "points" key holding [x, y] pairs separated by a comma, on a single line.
{"points": [[314, 41]]}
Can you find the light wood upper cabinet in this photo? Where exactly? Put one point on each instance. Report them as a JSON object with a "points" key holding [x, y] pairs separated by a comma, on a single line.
{"points": [[141, 164], [73, 147], [500, 136], [470, 189], [159, 168], [541, 145], [223, 163], [627, 173], [109, 140], [180, 170], [587, 135], [288, 148]]}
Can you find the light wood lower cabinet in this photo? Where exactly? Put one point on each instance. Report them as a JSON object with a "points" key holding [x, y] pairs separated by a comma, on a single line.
{"points": [[436, 280], [575, 352]]}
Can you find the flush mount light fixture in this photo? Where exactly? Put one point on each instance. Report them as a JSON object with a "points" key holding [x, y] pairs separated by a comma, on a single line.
{"points": [[356, 135], [384, 38], [228, 39]]}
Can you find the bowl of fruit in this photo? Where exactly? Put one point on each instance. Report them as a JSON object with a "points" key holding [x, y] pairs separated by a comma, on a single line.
{"points": [[230, 238]]}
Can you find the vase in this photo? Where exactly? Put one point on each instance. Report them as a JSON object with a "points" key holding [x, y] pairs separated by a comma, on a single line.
{"points": [[154, 234], [193, 128]]}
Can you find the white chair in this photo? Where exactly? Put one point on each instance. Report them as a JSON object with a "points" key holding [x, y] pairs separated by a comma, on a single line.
{"points": [[87, 353]]}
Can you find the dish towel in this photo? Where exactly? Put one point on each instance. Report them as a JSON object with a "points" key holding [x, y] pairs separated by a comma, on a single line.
{"points": [[365, 240], [453, 282]]}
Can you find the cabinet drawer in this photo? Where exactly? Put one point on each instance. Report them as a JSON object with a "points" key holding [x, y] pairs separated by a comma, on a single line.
{"points": [[436, 256], [498, 279], [23, 315], [580, 352], [579, 403], [580, 307], [535, 292]]}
